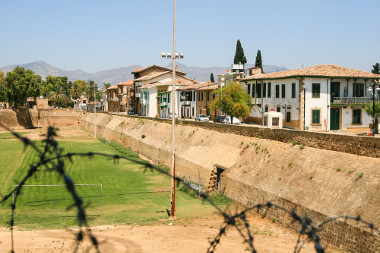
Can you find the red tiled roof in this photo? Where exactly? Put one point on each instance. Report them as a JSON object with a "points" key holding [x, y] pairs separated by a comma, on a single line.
{"points": [[152, 66], [316, 71], [200, 86], [129, 82], [112, 87], [168, 82]]}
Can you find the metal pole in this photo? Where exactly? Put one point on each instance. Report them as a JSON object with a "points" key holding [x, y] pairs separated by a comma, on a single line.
{"points": [[172, 210], [373, 107], [304, 109], [101, 199], [95, 108]]}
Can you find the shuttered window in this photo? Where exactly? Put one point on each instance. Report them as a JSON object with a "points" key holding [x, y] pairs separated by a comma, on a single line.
{"points": [[316, 117], [316, 89]]}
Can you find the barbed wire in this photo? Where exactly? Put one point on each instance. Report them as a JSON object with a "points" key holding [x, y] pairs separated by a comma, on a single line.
{"points": [[52, 158]]}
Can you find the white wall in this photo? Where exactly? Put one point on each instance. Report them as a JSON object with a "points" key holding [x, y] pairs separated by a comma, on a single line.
{"points": [[317, 103], [273, 102]]}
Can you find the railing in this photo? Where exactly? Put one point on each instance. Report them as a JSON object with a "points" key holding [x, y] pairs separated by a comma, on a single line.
{"points": [[186, 103], [353, 100]]}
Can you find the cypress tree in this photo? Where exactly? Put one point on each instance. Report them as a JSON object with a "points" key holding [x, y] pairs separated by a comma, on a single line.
{"points": [[376, 68], [259, 61], [212, 78], [239, 54]]}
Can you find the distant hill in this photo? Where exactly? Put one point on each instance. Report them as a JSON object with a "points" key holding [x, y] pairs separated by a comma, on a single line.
{"points": [[122, 74]]}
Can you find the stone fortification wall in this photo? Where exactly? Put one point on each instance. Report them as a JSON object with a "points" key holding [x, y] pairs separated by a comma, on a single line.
{"points": [[320, 182], [56, 117], [23, 118], [358, 145]]}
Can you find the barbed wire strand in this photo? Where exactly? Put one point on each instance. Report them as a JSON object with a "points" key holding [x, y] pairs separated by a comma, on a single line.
{"points": [[56, 162]]}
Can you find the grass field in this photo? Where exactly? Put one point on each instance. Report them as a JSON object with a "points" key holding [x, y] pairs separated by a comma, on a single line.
{"points": [[130, 196]]}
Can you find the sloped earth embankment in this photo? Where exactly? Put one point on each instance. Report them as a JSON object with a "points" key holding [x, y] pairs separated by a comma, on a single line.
{"points": [[321, 183]]}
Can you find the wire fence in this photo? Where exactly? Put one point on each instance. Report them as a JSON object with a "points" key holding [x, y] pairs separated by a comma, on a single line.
{"points": [[53, 159]]}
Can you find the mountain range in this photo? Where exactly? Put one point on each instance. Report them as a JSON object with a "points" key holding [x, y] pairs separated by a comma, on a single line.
{"points": [[122, 74]]}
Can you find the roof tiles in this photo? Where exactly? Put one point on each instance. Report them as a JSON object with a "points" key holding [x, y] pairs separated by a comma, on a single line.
{"points": [[316, 71]]}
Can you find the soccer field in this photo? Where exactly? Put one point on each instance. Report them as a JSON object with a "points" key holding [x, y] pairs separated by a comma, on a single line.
{"points": [[130, 196]]}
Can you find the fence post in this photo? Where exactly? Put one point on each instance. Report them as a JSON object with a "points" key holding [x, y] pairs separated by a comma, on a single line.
{"points": [[199, 184]]}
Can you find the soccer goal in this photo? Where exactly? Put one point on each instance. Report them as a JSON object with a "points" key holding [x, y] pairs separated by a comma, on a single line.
{"points": [[56, 196]]}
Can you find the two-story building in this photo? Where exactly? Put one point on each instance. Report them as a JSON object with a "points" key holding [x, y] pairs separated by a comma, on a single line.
{"points": [[113, 99], [322, 97], [126, 97], [153, 86], [196, 99]]}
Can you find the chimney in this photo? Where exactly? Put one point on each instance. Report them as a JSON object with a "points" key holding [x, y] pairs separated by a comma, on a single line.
{"points": [[255, 71]]}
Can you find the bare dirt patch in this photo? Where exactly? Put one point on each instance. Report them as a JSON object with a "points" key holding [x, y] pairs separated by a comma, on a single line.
{"points": [[190, 236]]}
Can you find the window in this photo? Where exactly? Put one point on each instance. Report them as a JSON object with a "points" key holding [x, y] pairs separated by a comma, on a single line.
{"points": [[249, 89], [356, 116], [202, 96], [266, 108], [288, 116], [269, 90], [265, 90], [253, 90], [258, 90], [279, 108], [208, 95], [168, 97], [316, 117], [282, 90], [293, 90], [316, 89], [277, 91], [358, 90]]}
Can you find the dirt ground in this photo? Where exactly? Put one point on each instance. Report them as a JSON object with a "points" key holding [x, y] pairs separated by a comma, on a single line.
{"points": [[163, 236], [190, 236]]}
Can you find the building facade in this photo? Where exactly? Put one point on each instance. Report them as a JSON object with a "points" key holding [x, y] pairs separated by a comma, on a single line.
{"points": [[320, 98]]}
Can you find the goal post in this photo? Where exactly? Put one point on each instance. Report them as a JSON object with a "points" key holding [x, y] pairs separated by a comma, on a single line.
{"points": [[60, 185]]}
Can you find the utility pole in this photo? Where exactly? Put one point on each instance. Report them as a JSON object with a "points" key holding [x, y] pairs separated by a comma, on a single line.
{"points": [[172, 200]]}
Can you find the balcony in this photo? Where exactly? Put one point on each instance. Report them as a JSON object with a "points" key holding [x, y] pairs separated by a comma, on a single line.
{"points": [[186, 103], [353, 100]]}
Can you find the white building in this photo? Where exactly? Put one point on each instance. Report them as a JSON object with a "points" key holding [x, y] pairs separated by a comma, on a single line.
{"points": [[322, 97], [154, 88]]}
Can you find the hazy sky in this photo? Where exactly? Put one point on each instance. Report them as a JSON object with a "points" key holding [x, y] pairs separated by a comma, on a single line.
{"points": [[102, 34]]}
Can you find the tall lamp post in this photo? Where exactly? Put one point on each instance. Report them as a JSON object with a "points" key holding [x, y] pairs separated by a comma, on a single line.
{"points": [[373, 88], [173, 56]]}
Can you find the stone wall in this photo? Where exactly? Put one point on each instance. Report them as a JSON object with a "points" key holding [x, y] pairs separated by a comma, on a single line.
{"points": [[358, 145], [319, 182]]}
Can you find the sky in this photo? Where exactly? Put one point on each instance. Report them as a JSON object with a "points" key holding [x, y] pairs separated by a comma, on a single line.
{"points": [[99, 35]]}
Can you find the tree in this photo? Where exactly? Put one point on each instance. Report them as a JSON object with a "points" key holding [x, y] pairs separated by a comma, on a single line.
{"points": [[21, 84], [376, 68], [369, 110], [106, 85], [259, 61], [3, 92], [239, 54], [233, 100], [212, 78]]}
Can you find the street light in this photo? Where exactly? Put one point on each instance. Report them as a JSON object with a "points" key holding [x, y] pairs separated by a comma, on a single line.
{"points": [[373, 88], [173, 56]]}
